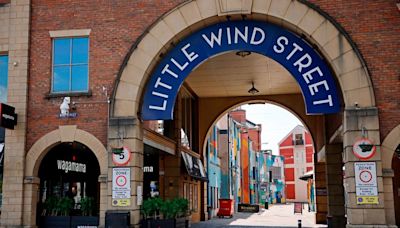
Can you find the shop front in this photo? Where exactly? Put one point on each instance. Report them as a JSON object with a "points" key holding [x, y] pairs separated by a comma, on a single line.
{"points": [[69, 187]]}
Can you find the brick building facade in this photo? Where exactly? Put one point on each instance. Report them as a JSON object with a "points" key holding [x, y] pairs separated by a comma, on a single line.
{"points": [[358, 40]]}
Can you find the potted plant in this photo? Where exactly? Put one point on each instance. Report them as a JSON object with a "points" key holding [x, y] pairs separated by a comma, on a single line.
{"points": [[87, 210], [150, 210], [56, 212], [168, 213]]}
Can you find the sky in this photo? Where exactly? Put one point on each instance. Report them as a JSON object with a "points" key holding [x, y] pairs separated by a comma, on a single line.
{"points": [[276, 123]]}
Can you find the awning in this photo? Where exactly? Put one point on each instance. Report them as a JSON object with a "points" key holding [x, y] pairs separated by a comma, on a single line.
{"points": [[307, 175], [194, 167]]}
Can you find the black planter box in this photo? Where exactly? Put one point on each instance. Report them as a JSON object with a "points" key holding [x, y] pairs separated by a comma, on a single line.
{"points": [[84, 221], [55, 221], [68, 221], [167, 223]]}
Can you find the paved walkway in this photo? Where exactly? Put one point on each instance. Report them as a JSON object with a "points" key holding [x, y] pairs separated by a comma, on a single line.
{"points": [[276, 216]]}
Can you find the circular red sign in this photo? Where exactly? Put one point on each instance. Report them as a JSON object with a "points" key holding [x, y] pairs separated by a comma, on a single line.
{"points": [[364, 149]]}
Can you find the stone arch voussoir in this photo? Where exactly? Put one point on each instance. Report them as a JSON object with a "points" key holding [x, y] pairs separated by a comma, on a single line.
{"points": [[64, 134], [388, 147], [325, 34]]}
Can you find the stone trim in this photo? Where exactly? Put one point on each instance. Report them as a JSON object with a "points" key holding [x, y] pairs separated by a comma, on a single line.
{"points": [[69, 133], [70, 33], [388, 147], [332, 42]]}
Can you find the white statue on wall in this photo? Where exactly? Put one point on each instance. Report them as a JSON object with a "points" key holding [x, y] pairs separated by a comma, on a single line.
{"points": [[64, 107]]}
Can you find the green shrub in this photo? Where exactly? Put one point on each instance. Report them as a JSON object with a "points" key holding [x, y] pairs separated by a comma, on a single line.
{"points": [[87, 206]]}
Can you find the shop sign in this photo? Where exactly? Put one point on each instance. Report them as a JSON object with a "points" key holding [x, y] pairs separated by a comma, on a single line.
{"points": [[8, 117], [298, 208], [71, 166], [366, 184], [290, 50], [121, 202], [364, 149], [253, 208], [121, 156]]}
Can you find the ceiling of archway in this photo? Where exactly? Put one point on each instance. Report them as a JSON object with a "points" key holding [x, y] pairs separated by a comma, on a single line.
{"points": [[229, 75]]}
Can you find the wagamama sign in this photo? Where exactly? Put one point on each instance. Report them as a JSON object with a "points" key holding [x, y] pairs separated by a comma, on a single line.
{"points": [[292, 52]]}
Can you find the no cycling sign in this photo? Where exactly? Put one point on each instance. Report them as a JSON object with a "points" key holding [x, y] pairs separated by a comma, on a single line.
{"points": [[364, 149]]}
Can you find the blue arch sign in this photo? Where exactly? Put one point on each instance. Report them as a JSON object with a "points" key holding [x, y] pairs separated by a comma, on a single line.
{"points": [[292, 52]]}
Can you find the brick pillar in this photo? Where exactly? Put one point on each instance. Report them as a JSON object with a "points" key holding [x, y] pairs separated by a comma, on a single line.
{"points": [[356, 119], [334, 182], [14, 160], [321, 198]]}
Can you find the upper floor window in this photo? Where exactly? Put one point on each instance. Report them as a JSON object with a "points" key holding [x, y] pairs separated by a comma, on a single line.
{"points": [[70, 65], [3, 78], [298, 139]]}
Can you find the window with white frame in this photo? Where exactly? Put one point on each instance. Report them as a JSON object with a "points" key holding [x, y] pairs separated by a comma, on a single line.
{"points": [[70, 70]]}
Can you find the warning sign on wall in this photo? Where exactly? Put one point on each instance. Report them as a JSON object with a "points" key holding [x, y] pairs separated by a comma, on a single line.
{"points": [[366, 184], [121, 187]]}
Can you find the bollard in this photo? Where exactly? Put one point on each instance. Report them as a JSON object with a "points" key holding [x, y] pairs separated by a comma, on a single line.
{"points": [[299, 223], [266, 205], [329, 221]]}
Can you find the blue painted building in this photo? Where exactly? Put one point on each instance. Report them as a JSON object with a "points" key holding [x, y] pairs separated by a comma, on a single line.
{"points": [[214, 172]]}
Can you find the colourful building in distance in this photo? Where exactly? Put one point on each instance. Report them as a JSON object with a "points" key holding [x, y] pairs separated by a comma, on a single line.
{"points": [[297, 149]]}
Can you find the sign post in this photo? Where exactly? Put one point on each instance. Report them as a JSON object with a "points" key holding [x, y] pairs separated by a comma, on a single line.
{"points": [[366, 184], [121, 187]]}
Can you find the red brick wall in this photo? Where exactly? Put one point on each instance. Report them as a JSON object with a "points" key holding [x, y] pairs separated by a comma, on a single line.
{"points": [[375, 28], [373, 25], [115, 26]]}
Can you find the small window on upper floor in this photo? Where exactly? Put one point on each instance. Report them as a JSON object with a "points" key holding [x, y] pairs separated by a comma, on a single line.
{"points": [[70, 73], [298, 139]]}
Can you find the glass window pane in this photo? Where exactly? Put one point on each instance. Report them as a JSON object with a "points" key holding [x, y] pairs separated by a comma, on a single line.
{"points": [[3, 78], [62, 51], [79, 78], [80, 50], [61, 79]]}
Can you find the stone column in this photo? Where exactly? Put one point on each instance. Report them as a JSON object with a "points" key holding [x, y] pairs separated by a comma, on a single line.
{"points": [[14, 160], [31, 197], [334, 182], [355, 120], [127, 131]]}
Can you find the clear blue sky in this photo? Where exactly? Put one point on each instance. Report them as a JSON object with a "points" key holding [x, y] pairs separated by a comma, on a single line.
{"points": [[276, 123]]}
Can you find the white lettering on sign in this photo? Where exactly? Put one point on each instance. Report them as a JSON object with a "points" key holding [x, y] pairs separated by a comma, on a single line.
{"points": [[190, 57], [302, 64], [6, 116], [148, 169], [213, 39], [71, 166]]}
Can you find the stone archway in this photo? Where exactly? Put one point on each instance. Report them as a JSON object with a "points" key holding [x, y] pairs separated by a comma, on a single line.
{"points": [[300, 17], [388, 147], [332, 42], [38, 151]]}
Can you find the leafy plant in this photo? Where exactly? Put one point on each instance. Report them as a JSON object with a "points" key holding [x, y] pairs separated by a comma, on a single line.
{"points": [[50, 206], [65, 206], [170, 209], [182, 206], [151, 207], [87, 206]]}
